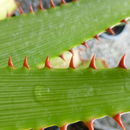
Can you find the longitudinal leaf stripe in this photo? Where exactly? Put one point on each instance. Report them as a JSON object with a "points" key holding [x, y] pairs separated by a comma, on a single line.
{"points": [[50, 32], [42, 98]]}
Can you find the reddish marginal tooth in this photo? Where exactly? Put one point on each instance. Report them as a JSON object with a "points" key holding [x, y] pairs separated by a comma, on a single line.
{"points": [[31, 9], [71, 51], [64, 127], [111, 31], [10, 63], [21, 11], [97, 37], [117, 118], [62, 56], [71, 65], [41, 129], [90, 125], [41, 5], [92, 63], [122, 62], [124, 21], [47, 63], [52, 4], [85, 44], [25, 63], [63, 1]]}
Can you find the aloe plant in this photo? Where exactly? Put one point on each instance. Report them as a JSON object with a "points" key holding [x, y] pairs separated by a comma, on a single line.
{"points": [[39, 98]]}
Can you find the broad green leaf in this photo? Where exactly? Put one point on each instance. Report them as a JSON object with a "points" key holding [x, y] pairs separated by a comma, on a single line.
{"points": [[51, 32], [42, 98]]}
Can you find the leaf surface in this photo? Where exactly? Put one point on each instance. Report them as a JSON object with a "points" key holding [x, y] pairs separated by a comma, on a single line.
{"points": [[51, 32]]}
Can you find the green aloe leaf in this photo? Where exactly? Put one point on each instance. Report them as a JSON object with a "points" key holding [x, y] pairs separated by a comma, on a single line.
{"points": [[41, 98], [51, 32]]}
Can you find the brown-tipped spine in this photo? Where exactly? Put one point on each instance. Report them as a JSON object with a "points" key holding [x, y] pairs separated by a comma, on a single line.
{"points": [[110, 30], [10, 63], [62, 57], [21, 11], [90, 125], [64, 127], [71, 51], [122, 62], [117, 118], [97, 37], [31, 8], [92, 63], [41, 129], [52, 4], [25, 63], [63, 2], [85, 44], [71, 65], [41, 5], [124, 21], [47, 63]]}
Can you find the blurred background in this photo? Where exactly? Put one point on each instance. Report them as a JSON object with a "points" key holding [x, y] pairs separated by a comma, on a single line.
{"points": [[109, 48]]}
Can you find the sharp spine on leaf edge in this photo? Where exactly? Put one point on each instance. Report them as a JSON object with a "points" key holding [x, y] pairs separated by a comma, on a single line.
{"points": [[10, 63], [21, 11], [85, 44], [122, 62], [41, 5], [63, 2], [71, 65], [41, 129], [47, 63], [64, 127], [97, 37], [62, 57], [31, 9], [124, 21], [71, 51], [92, 63], [52, 4], [90, 125], [25, 63], [117, 118], [110, 30]]}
